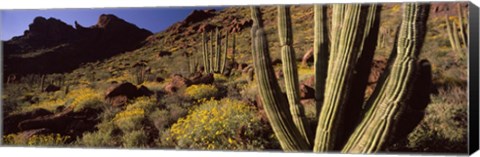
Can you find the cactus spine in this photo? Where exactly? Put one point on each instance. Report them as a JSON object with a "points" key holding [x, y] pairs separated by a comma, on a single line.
{"points": [[350, 53], [276, 106]]}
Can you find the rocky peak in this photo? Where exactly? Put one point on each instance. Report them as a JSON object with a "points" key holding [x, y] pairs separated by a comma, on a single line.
{"points": [[108, 20], [199, 15], [49, 31]]}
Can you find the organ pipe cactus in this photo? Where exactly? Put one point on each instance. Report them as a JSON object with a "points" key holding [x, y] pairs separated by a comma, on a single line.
{"points": [[213, 59], [320, 53], [290, 71], [453, 35], [275, 104], [217, 51], [210, 53], [224, 56], [206, 63], [383, 116]]}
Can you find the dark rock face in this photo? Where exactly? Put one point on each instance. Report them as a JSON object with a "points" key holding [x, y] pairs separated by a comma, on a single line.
{"points": [[52, 46]]}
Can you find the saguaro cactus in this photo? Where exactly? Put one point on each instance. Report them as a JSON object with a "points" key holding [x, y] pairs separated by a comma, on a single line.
{"points": [[382, 117]]}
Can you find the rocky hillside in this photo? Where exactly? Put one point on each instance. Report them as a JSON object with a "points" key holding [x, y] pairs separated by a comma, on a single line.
{"points": [[52, 46]]}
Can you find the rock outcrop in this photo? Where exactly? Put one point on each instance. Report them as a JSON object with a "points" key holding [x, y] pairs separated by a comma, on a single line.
{"points": [[52, 46]]}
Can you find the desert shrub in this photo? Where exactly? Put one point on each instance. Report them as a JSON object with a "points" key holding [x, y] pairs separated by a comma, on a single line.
{"points": [[154, 86], [129, 120], [135, 139], [145, 103], [84, 98], [249, 91], [220, 124], [36, 140], [163, 118], [160, 118], [201, 91], [444, 127], [50, 105], [176, 111], [103, 137], [132, 118], [220, 78]]}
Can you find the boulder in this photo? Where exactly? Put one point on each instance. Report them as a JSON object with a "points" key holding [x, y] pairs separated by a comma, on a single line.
{"points": [[164, 53], [178, 81], [306, 92], [67, 122], [203, 79], [118, 94], [378, 67], [159, 79], [51, 88], [10, 122]]}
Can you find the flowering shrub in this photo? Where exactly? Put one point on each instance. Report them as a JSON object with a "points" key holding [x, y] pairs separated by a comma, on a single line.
{"points": [[220, 124], [36, 140], [201, 91], [84, 98]]}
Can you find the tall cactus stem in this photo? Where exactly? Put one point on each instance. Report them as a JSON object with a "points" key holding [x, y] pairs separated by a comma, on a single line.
{"points": [[341, 66], [224, 56], [378, 125], [320, 54], [275, 103], [211, 54], [462, 27], [204, 52], [290, 72]]}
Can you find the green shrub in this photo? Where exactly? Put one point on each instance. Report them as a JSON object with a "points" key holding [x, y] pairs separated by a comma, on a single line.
{"points": [[160, 119], [103, 137], [129, 120], [220, 124], [36, 140], [445, 126], [201, 91], [135, 139]]}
